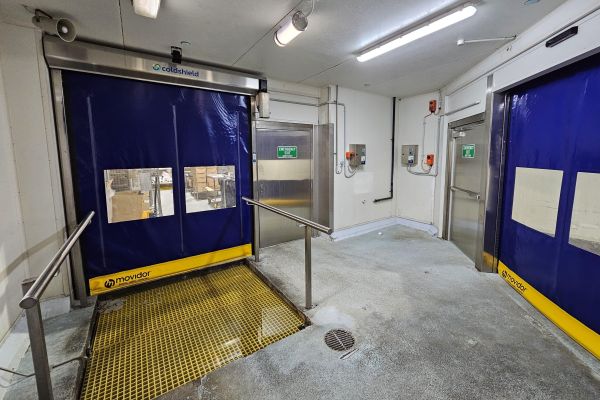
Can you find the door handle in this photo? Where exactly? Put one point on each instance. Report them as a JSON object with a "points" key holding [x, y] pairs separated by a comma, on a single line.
{"points": [[470, 193]]}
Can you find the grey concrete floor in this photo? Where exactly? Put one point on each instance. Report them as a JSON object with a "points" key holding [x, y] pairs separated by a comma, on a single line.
{"points": [[427, 326], [66, 341]]}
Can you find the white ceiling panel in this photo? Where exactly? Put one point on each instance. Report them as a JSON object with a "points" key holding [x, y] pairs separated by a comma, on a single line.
{"points": [[336, 30], [220, 31], [339, 29], [239, 33], [96, 20]]}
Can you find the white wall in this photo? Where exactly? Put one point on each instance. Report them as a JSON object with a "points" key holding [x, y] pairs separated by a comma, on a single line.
{"points": [[415, 193], [31, 129], [287, 112], [13, 251], [368, 121]]}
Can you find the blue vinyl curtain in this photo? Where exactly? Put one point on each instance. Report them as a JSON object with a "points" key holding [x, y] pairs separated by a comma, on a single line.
{"points": [[116, 123], [555, 124]]}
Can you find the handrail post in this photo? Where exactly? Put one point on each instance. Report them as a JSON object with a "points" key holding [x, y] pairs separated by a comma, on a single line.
{"points": [[308, 266], [79, 278], [256, 234], [308, 227], [39, 352]]}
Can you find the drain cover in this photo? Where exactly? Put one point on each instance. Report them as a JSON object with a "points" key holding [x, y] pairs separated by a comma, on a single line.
{"points": [[338, 339]]}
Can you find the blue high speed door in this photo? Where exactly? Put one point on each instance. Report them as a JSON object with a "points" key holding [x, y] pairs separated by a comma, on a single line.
{"points": [[550, 233], [164, 168]]}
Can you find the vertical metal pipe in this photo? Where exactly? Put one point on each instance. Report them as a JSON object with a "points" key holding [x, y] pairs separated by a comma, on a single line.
{"points": [[80, 288], [39, 352], [308, 266], [256, 234]]}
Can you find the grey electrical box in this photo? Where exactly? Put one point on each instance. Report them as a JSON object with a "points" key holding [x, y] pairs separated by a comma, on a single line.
{"points": [[410, 155], [262, 104], [357, 155]]}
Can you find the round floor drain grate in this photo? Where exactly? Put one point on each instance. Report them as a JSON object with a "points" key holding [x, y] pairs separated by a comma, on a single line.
{"points": [[338, 339]]}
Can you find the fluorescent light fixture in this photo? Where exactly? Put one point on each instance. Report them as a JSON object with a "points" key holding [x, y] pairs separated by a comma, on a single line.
{"points": [[146, 8], [434, 26], [292, 27]]}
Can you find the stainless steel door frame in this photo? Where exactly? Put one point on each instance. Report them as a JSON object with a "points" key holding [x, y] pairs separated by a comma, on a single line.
{"points": [[323, 175], [493, 120], [99, 59], [78, 292], [497, 121]]}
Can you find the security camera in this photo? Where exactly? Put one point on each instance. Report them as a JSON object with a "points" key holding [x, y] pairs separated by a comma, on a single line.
{"points": [[61, 27]]}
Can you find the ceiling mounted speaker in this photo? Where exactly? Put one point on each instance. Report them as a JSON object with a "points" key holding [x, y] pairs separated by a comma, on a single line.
{"points": [[61, 27]]}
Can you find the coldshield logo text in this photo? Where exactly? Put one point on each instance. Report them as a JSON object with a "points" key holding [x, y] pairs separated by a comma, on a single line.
{"points": [[125, 279], [175, 70], [513, 282]]}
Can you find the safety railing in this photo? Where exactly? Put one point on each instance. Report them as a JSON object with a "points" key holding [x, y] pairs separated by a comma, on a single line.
{"points": [[33, 289], [308, 226]]}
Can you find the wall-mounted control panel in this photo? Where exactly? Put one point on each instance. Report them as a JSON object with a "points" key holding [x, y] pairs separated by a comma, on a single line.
{"points": [[357, 155], [410, 155]]}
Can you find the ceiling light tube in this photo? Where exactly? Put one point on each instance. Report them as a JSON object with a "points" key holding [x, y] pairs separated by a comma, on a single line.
{"points": [[433, 26], [292, 27], [146, 8]]}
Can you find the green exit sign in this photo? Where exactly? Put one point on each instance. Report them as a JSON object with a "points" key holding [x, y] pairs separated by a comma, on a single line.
{"points": [[468, 151], [287, 151]]}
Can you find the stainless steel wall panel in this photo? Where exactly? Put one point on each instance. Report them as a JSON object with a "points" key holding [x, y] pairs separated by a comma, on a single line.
{"points": [[285, 183], [323, 175]]}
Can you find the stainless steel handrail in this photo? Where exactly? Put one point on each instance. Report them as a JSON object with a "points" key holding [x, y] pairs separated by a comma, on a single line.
{"points": [[321, 228], [33, 289], [308, 226], [32, 297]]}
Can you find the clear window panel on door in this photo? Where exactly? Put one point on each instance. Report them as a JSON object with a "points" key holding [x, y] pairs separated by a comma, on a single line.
{"points": [[209, 188], [139, 193], [585, 219], [536, 198]]}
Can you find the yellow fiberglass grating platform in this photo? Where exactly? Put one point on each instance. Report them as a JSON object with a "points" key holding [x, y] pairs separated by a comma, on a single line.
{"points": [[154, 340]]}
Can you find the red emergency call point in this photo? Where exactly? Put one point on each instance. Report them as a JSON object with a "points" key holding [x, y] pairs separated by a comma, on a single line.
{"points": [[432, 106], [430, 159]]}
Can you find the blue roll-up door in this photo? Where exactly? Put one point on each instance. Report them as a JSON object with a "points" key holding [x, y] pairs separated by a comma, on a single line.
{"points": [[550, 224], [164, 168]]}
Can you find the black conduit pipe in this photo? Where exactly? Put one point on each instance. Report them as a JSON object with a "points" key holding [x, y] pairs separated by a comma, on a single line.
{"points": [[391, 196]]}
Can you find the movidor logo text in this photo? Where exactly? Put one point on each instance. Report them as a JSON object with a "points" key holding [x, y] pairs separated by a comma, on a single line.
{"points": [[175, 70], [124, 279], [515, 283]]}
